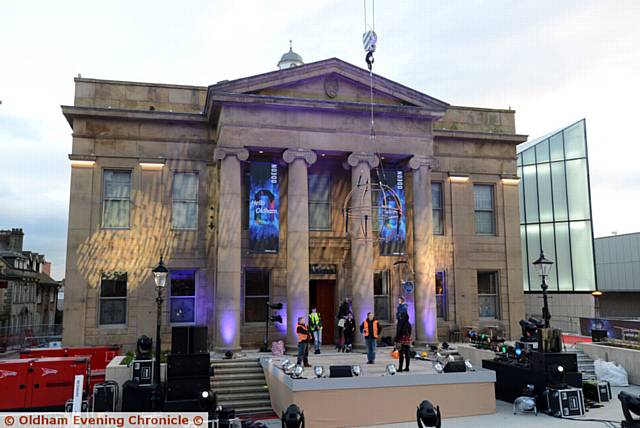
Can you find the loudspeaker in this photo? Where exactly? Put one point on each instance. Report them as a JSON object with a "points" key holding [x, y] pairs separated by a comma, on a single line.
{"points": [[340, 371], [187, 388], [455, 366], [192, 405], [188, 365], [135, 397], [189, 340], [546, 361]]}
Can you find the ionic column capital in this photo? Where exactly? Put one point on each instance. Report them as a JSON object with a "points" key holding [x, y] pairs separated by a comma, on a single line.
{"points": [[309, 156], [419, 161], [222, 152], [355, 159]]}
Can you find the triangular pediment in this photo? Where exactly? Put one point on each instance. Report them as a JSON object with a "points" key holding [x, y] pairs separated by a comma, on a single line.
{"points": [[329, 80]]}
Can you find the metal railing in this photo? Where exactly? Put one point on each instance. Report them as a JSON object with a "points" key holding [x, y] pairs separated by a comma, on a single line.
{"points": [[29, 336]]}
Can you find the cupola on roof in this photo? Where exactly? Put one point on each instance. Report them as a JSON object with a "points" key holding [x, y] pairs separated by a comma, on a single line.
{"points": [[290, 59]]}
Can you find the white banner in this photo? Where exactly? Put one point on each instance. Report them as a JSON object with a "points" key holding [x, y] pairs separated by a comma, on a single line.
{"points": [[104, 420]]}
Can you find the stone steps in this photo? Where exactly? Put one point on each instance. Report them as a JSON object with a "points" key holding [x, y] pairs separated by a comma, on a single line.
{"points": [[240, 385]]}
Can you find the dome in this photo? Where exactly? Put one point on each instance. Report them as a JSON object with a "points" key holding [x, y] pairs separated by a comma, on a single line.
{"points": [[290, 59]]}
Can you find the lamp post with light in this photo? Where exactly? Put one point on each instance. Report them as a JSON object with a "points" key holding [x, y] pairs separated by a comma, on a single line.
{"points": [[543, 266], [160, 274]]}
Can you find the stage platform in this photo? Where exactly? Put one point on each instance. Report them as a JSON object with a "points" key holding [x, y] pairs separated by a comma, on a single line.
{"points": [[374, 397]]}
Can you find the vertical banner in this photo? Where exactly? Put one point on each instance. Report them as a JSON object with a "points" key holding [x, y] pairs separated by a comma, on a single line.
{"points": [[393, 230], [264, 205]]}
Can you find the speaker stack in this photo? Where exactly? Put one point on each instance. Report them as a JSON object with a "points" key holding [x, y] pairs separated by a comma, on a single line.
{"points": [[188, 369]]}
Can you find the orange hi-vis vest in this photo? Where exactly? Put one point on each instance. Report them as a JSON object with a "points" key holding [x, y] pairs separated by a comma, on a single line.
{"points": [[302, 337], [365, 329]]}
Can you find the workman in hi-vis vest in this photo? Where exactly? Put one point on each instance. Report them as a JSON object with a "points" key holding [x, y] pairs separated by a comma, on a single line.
{"points": [[315, 327]]}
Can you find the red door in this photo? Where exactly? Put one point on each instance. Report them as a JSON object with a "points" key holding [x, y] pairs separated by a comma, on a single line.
{"points": [[321, 295]]}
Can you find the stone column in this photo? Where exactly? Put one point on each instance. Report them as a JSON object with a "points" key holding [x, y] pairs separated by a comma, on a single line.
{"points": [[361, 248], [423, 257], [297, 238], [228, 266]]}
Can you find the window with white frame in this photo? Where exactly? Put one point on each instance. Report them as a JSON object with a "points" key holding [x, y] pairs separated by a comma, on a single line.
{"points": [[488, 295], [184, 209], [183, 296], [113, 299], [116, 198], [256, 294], [319, 202], [381, 295], [484, 209], [438, 209]]}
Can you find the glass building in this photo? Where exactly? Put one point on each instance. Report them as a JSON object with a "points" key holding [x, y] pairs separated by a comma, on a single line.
{"points": [[555, 209]]}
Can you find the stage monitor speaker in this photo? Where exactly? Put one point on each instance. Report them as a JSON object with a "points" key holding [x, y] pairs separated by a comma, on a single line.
{"points": [[340, 371], [135, 397], [455, 366], [191, 405], [188, 365], [187, 388], [189, 340]]}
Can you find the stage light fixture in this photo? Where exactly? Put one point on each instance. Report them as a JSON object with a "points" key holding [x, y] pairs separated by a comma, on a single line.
{"points": [[518, 352], [468, 365], [630, 404], [275, 305], [297, 372], [293, 417], [503, 349], [276, 318], [228, 355], [356, 370], [428, 416], [439, 368], [319, 371], [204, 394], [284, 363], [391, 369], [289, 369]]}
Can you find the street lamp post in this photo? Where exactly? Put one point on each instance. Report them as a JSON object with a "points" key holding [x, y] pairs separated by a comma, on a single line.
{"points": [[160, 274], [543, 266]]}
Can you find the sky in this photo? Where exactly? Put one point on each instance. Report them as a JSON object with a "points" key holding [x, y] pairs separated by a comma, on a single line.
{"points": [[553, 61]]}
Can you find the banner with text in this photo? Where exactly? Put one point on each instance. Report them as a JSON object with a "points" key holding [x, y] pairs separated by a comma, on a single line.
{"points": [[392, 228], [264, 205]]}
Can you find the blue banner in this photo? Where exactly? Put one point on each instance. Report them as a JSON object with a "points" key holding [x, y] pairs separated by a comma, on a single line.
{"points": [[264, 205], [392, 228]]}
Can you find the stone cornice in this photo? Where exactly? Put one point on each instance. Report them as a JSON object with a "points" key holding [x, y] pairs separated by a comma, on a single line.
{"points": [[222, 152], [355, 159], [419, 161], [73, 112], [474, 135], [309, 156]]}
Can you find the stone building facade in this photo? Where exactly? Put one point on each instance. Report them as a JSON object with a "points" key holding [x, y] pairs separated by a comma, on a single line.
{"points": [[165, 169]]}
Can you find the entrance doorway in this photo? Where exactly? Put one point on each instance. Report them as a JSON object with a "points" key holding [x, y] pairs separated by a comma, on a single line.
{"points": [[321, 296]]}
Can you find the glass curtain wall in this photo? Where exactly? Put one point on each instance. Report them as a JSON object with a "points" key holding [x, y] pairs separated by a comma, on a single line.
{"points": [[555, 209]]}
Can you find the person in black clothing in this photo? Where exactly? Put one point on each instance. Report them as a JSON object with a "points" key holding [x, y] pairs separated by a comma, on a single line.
{"points": [[403, 340], [349, 332], [343, 311]]}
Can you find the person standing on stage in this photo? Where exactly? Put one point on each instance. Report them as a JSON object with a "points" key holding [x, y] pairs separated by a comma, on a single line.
{"points": [[403, 340], [371, 331], [343, 311], [303, 343], [401, 308], [349, 332], [315, 327]]}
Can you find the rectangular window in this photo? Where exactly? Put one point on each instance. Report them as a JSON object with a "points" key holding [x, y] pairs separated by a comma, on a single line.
{"points": [[441, 295], [319, 202], [256, 294], [183, 296], [113, 299], [437, 205], [381, 295], [184, 209], [116, 203], [488, 294], [484, 207]]}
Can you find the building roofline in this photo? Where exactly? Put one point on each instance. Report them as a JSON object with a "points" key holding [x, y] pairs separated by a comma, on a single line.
{"points": [[488, 109], [528, 144], [132, 83], [617, 235]]}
